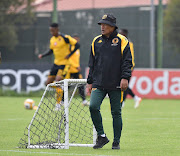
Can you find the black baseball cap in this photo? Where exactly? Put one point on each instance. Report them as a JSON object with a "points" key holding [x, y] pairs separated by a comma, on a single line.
{"points": [[108, 19]]}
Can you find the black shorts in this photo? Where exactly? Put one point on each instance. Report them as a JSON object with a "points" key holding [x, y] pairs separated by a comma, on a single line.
{"points": [[55, 68], [62, 71], [76, 75]]}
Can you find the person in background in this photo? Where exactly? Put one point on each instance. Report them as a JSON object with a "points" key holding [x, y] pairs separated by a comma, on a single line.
{"points": [[59, 46], [137, 99], [75, 69]]}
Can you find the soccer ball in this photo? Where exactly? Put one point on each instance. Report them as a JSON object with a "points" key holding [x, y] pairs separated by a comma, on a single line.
{"points": [[29, 104]]}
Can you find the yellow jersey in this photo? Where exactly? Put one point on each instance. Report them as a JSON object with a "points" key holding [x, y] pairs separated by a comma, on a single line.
{"points": [[74, 61], [60, 46]]}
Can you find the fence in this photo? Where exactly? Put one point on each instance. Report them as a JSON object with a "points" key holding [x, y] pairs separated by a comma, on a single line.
{"points": [[83, 21]]}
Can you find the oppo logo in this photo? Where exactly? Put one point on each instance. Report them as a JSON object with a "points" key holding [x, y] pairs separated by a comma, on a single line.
{"points": [[23, 80]]}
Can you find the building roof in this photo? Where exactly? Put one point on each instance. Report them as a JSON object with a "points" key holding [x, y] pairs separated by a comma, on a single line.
{"points": [[62, 5]]}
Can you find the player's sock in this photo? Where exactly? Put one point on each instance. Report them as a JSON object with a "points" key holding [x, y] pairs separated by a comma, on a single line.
{"points": [[103, 135], [58, 107], [137, 101], [85, 103], [136, 98], [59, 94]]}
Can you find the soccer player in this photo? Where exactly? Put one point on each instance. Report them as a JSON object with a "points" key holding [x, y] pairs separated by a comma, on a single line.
{"points": [[75, 69], [110, 64], [60, 47], [137, 99]]}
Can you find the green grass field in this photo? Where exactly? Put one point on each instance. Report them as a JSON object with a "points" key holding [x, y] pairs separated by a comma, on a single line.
{"points": [[152, 129]]}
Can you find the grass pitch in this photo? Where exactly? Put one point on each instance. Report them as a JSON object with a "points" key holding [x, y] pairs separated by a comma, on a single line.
{"points": [[152, 129]]}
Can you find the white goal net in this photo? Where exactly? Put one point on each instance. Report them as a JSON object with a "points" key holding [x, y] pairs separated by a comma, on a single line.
{"points": [[62, 119]]}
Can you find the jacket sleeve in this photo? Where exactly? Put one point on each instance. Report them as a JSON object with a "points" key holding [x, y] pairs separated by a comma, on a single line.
{"points": [[91, 67], [126, 63]]}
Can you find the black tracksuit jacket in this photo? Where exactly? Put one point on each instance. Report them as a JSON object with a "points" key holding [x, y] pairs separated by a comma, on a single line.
{"points": [[110, 61]]}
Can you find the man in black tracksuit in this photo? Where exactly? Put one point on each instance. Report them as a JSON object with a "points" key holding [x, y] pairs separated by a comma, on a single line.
{"points": [[110, 65]]}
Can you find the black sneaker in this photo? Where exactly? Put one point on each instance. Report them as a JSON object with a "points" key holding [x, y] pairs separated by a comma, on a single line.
{"points": [[100, 142], [115, 145]]}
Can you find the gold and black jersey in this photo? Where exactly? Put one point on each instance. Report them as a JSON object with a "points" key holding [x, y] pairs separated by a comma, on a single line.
{"points": [[60, 46], [74, 60]]}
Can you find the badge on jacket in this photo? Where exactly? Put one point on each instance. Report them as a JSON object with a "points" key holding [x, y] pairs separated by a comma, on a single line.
{"points": [[115, 42]]}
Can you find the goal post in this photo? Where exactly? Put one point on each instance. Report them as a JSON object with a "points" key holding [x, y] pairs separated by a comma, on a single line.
{"points": [[69, 125]]}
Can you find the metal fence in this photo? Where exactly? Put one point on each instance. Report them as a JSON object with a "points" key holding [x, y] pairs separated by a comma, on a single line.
{"points": [[35, 39]]}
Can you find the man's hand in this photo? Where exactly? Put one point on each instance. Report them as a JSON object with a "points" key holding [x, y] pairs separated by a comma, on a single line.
{"points": [[124, 84], [89, 86], [40, 56]]}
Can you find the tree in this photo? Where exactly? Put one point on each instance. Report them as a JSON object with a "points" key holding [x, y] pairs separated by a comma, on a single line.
{"points": [[12, 14], [172, 23]]}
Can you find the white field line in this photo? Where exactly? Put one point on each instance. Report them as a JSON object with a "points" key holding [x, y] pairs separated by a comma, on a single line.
{"points": [[16, 151]]}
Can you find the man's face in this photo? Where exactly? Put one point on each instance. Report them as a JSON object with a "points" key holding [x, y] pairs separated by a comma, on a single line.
{"points": [[54, 31], [106, 29]]}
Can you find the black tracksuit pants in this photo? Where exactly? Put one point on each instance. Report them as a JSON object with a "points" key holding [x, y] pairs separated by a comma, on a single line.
{"points": [[115, 97]]}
